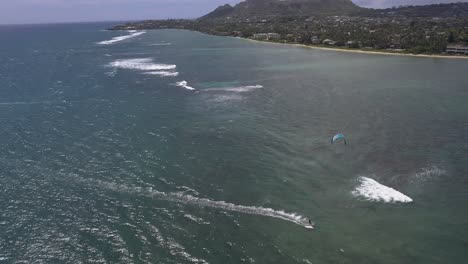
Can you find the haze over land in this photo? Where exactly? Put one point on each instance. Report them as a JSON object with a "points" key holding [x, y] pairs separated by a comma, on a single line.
{"points": [[50, 11]]}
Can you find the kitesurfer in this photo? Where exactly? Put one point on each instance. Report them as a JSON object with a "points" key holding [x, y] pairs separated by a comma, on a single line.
{"points": [[311, 225]]}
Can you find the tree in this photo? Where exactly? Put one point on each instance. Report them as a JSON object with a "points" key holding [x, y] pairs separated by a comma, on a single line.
{"points": [[451, 37]]}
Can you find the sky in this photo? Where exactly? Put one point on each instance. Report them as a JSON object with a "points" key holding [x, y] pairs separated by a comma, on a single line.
{"points": [[51, 11]]}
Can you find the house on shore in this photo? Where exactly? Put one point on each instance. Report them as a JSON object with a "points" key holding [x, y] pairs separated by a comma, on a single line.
{"points": [[457, 49], [267, 36], [329, 42]]}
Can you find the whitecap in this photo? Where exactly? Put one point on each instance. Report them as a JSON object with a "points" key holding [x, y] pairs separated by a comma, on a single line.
{"points": [[184, 84], [197, 220], [133, 33], [163, 73], [374, 191], [239, 89], [144, 64], [160, 44]]}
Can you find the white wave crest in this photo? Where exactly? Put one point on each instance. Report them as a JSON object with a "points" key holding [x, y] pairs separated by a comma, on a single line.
{"points": [[374, 191], [240, 89], [197, 220], [161, 44], [163, 73], [184, 84], [144, 64], [133, 33]]}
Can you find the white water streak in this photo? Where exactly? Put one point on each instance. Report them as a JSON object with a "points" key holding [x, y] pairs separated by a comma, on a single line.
{"points": [[182, 198], [374, 191], [163, 73], [240, 89], [121, 38], [185, 85], [143, 64]]}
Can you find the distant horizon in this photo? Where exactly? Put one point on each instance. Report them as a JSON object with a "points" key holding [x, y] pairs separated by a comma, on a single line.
{"points": [[102, 11]]}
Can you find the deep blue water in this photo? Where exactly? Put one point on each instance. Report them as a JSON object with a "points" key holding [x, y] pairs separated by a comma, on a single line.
{"points": [[104, 158]]}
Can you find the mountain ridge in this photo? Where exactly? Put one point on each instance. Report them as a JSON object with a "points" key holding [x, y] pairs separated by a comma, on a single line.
{"points": [[266, 8]]}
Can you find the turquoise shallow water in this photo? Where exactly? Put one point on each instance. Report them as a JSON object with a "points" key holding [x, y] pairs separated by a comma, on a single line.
{"points": [[101, 162]]}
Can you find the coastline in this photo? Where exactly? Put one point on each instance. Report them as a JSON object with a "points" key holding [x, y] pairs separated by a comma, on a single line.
{"points": [[348, 50], [434, 56]]}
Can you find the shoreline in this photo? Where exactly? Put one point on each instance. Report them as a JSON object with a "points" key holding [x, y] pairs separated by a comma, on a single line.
{"points": [[371, 52], [435, 56]]}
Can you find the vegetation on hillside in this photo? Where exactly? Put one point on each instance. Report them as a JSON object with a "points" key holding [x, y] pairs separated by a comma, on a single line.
{"points": [[423, 29]]}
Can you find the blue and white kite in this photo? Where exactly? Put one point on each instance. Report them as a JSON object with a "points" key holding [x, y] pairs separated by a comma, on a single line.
{"points": [[338, 137]]}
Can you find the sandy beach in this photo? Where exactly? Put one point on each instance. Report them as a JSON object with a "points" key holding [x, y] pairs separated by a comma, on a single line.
{"points": [[365, 51]]}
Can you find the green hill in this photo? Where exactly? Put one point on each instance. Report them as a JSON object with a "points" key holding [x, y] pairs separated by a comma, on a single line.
{"points": [[267, 8]]}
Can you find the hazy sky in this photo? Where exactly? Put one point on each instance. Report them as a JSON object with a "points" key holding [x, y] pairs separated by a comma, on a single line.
{"points": [[46, 11]]}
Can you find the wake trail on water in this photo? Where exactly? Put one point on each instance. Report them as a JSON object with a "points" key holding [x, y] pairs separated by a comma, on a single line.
{"points": [[133, 34], [182, 198]]}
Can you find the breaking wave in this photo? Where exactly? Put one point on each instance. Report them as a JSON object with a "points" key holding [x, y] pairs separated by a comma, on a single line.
{"points": [[143, 64], [182, 198], [161, 44], [163, 73], [133, 33], [374, 191], [184, 84]]}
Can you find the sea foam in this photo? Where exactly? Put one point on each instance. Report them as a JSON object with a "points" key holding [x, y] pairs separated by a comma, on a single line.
{"points": [[163, 73], [374, 191], [161, 44], [143, 64], [429, 172], [133, 34]]}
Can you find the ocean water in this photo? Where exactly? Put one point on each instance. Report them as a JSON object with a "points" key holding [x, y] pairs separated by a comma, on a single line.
{"points": [[178, 147]]}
